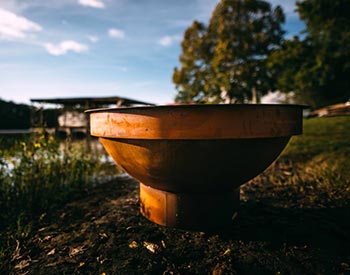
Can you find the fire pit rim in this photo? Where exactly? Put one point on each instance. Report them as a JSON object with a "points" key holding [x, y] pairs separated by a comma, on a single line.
{"points": [[197, 122], [303, 106]]}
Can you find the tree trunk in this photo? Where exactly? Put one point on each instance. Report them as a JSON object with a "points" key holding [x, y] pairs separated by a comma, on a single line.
{"points": [[255, 96]]}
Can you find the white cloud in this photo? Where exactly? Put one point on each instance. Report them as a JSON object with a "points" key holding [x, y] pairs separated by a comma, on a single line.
{"points": [[92, 38], [13, 26], [64, 47], [115, 33], [98, 4], [168, 40]]}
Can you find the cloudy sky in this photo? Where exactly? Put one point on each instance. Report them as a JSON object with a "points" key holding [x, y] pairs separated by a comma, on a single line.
{"points": [[81, 48]]}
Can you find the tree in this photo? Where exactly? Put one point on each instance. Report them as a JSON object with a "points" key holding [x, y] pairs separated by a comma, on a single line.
{"points": [[295, 70], [317, 67], [193, 59], [226, 60], [14, 116]]}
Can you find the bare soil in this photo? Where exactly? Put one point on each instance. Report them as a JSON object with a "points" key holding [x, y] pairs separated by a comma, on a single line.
{"points": [[104, 233]]}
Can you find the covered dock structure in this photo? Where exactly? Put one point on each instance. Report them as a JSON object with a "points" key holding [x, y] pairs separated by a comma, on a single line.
{"points": [[67, 116]]}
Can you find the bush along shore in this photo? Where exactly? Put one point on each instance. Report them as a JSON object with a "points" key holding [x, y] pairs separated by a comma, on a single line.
{"points": [[294, 218], [37, 174]]}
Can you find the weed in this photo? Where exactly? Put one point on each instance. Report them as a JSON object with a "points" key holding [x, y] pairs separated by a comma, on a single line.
{"points": [[36, 174]]}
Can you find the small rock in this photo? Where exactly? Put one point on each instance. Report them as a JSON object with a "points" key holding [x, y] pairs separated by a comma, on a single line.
{"points": [[133, 244], [51, 252], [152, 247]]}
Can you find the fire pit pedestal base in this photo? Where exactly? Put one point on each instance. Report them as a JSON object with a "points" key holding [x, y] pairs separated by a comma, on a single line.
{"points": [[189, 210]]}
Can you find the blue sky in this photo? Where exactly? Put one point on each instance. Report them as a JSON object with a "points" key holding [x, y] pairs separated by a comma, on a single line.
{"points": [[81, 48]]}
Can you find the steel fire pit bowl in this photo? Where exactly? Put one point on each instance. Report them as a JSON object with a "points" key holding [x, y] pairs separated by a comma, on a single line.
{"points": [[191, 159]]}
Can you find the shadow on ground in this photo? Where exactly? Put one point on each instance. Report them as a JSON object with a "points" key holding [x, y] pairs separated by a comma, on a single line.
{"points": [[326, 228], [104, 233]]}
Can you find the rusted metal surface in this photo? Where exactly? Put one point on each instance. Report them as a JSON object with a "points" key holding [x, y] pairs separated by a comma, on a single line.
{"points": [[198, 122], [192, 159], [189, 210], [194, 165]]}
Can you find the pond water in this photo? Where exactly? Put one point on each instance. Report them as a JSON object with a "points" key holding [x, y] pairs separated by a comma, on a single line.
{"points": [[91, 147]]}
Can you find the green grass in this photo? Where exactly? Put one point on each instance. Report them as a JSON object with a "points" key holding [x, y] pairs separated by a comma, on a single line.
{"points": [[320, 135], [322, 156], [37, 175], [314, 169]]}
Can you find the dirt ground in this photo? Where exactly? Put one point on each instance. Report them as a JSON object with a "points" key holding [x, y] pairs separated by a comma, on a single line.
{"points": [[104, 233]]}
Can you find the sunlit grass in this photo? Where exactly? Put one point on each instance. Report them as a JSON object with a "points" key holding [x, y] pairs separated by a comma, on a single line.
{"points": [[322, 164], [320, 135], [314, 169]]}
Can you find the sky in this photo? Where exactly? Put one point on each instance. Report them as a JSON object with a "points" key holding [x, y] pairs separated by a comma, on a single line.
{"points": [[98, 48]]}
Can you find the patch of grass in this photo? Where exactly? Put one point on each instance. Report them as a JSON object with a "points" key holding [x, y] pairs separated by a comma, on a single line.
{"points": [[36, 175], [314, 169], [320, 135]]}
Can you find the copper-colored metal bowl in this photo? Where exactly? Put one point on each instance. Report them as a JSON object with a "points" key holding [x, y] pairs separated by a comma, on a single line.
{"points": [[191, 159]]}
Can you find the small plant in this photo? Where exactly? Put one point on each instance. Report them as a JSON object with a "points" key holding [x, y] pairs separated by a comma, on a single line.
{"points": [[36, 174]]}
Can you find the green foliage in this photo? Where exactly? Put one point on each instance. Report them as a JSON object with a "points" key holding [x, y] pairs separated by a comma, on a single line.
{"points": [[14, 116], [296, 71], [317, 67], [22, 116], [226, 60], [38, 174], [35, 175], [322, 17], [190, 79]]}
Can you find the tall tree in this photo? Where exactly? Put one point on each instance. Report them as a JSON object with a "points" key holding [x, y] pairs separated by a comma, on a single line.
{"points": [[226, 60], [296, 70], [193, 60], [317, 67]]}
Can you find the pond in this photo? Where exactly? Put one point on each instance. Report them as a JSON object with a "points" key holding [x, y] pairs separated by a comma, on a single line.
{"points": [[15, 147]]}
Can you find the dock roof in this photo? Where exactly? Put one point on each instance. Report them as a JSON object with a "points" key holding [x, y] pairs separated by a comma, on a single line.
{"points": [[91, 101]]}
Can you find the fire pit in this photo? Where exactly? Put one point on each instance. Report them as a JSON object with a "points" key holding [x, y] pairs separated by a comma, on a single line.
{"points": [[191, 159]]}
